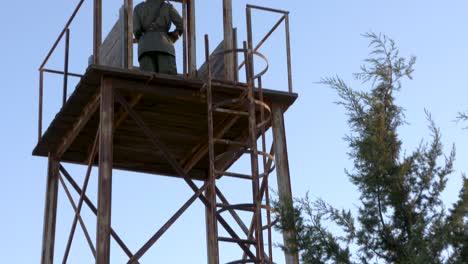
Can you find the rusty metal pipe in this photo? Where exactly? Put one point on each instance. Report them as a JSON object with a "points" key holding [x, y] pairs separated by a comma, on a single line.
{"points": [[288, 50], [97, 31], [41, 98], [191, 36], [62, 73], [264, 39], [268, 9], [265, 168], [184, 37], [211, 223], [65, 75], [254, 154]]}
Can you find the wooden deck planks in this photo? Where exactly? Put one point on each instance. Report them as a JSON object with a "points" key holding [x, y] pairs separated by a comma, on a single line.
{"points": [[171, 106]]}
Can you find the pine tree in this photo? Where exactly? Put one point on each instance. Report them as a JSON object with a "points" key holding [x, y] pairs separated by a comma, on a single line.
{"points": [[401, 217], [462, 116]]}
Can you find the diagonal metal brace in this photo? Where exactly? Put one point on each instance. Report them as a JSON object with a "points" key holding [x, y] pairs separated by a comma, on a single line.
{"points": [[93, 208], [157, 143]]}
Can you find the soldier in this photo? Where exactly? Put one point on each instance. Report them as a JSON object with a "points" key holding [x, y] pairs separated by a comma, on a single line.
{"points": [[152, 21]]}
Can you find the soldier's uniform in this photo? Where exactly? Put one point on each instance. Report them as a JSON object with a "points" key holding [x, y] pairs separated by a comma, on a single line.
{"points": [[152, 21]]}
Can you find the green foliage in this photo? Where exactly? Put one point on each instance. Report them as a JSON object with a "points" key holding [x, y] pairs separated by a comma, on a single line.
{"points": [[462, 116], [401, 218], [458, 223]]}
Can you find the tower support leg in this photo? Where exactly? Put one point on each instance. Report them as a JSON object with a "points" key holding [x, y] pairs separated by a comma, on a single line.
{"points": [[211, 219], [97, 31], [191, 39], [228, 40], [50, 212], [105, 173], [211, 227], [282, 170]]}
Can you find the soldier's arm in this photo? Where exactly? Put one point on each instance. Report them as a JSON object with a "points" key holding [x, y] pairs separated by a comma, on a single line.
{"points": [[177, 20], [137, 27]]}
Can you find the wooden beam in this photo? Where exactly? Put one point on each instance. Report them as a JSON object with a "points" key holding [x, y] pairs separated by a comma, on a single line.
{"points": [[228, 40], [191, 41], [97, 31], [85, 116], [50, 212], [112, 48], [93, 208], [210, 194], [179, 92], [211, 225], [105, 173], [122, 114], [128, 34], [282, 170]]}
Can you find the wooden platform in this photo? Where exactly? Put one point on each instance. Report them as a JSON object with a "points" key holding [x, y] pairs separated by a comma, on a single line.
{"points": [[174, 108]]}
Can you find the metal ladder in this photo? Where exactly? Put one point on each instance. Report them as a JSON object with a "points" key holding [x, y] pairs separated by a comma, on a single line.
{"points": [[245, 106]]}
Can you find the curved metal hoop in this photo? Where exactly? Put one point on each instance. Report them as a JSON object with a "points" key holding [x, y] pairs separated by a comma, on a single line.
{"points": [[256, 76], [268, 109], [240, 101]]}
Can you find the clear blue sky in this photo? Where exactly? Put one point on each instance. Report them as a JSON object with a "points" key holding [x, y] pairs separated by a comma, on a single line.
{"points": [[326, 40]]}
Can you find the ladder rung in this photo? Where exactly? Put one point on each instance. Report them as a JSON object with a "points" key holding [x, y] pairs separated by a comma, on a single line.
{"points": [[229, 111], [236, 175], [232, 240], [229, 142]]}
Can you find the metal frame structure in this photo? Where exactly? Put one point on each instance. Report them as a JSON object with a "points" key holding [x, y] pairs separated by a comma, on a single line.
{"points": [[250, 104], [258, 113]]}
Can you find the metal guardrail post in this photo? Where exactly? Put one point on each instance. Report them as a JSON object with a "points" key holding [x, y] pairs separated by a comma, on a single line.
{"points": [[97, 31], [41, 98], [184, 37], [288, 51], [65, 75], [284, 18]]}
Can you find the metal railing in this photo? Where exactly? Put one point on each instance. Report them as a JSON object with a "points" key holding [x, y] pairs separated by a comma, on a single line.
{"points": [[188, 48], [284, 18], [42, 69], [249, 105]]}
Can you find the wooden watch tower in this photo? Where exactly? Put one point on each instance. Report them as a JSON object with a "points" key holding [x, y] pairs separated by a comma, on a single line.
{"points": [[193, 126]]}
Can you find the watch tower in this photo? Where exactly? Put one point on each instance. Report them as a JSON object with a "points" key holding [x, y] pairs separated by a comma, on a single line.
{"points": [[194, 126]]}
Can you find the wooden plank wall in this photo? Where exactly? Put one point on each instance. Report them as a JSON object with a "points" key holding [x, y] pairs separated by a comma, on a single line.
{"points": [[217, 62], [113, 46], [217, 65], [111, 49]]}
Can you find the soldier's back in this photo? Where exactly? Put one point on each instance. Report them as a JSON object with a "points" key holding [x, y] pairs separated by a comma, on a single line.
{"points": [[151, 25]]}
